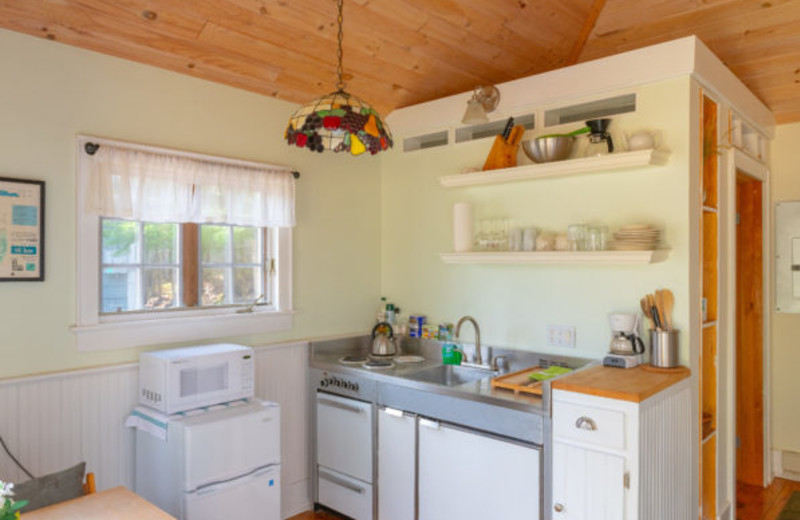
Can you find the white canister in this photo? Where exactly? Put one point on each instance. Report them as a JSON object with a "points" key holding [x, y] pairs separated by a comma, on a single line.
{"points": [[462, 227]]}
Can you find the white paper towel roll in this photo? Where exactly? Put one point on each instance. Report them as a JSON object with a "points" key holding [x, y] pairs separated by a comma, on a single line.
{"points": [[462, 227]]}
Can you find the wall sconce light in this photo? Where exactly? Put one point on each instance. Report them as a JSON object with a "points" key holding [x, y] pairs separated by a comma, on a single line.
{"points": [[484, 100]]}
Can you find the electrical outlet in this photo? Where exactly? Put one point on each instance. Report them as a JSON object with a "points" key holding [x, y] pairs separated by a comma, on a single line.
{"points": [[561, 336], [568, 336]]}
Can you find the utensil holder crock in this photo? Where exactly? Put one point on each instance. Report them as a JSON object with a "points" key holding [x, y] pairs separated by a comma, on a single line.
{"points": [[664, 348]]}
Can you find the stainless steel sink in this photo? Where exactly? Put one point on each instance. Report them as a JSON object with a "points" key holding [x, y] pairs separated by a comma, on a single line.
{"points": [[449, 375]]}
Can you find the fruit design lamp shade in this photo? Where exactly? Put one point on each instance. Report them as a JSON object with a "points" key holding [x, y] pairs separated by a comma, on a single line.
{"points": [[340, 122]]}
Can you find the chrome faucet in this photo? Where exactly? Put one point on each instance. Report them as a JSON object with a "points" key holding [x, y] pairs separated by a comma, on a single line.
{"points": [[478, 359]]}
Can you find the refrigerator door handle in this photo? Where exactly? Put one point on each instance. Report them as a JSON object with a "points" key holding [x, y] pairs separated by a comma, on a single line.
{"points": [[213, 486]]}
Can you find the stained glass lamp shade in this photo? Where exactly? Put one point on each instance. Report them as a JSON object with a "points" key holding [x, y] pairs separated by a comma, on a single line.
{"points": [[339, 122]]}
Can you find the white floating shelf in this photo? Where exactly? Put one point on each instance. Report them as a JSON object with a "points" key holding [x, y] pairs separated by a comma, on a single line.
{"points": [[558, 257], [600, 164]]}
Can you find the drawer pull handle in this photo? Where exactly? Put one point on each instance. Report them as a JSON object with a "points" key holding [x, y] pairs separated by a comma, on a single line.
{"points": [[586, 423], [558, 507], [337, 404], [340, 482]]}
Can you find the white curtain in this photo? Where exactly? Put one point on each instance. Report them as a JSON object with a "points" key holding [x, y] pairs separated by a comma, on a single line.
{"points": [[152, 186]]}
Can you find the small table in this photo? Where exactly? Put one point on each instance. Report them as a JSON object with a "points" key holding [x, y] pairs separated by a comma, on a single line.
{"points": [[118, 503]]}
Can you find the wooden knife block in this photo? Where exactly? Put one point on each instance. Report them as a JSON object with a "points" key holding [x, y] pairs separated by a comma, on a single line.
{"points": [[504, 153]]}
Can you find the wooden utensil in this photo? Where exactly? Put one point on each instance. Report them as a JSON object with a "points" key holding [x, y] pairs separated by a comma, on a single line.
{"points": [[659, 297], [646, 311], [653, 310], [668, 303]]}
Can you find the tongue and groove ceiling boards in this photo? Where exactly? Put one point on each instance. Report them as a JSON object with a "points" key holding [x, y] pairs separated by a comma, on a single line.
{"points": [[403, 52]]}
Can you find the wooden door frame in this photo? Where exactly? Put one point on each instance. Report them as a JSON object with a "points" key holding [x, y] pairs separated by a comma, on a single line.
{"points": [[738, 161]]}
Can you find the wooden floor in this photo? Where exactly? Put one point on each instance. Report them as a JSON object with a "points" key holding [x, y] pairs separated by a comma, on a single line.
{"points": [[308, 515], [752, 502], [756, 503]]}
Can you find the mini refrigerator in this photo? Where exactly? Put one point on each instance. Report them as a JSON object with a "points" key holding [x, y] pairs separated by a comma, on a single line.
{"points": [[213, 463]]}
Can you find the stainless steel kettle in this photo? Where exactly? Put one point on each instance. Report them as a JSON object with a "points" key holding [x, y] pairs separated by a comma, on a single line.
{"points": [[383, 345]]}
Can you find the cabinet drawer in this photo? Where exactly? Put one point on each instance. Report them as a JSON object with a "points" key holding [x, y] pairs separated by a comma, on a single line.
{"points": [[345, 494], [590, 424]]}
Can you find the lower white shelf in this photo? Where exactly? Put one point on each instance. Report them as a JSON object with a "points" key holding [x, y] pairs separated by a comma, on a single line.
{"points": [[558, 257]]}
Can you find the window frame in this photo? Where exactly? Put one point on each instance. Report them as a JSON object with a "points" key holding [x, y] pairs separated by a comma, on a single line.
{"points": [[97, 331]]}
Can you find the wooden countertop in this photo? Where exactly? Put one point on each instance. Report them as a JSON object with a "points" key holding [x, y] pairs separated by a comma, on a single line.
{"points": [[113, 504], [631, 384]]}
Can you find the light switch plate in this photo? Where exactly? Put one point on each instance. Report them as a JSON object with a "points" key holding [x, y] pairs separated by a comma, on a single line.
{"points": [[787, 257]]}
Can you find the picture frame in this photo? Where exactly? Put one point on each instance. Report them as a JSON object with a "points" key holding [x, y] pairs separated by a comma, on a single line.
{"points": [[22, 216]]}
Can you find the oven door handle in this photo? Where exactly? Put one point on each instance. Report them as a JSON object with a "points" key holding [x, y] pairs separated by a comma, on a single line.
{"points": [[341, 406], [340, 482]]}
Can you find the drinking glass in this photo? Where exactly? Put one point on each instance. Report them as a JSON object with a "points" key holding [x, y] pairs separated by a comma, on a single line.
{"points": [[499, 234], [597, 238], [515, 239], [576, 237], [482, 235]]}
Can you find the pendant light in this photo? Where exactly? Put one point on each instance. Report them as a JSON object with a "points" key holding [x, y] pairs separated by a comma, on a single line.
{"points": [[338, 121]]}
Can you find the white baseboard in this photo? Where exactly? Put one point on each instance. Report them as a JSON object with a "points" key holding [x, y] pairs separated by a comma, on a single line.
{"points": [[295, 499], [777, 463], [786, 464]]}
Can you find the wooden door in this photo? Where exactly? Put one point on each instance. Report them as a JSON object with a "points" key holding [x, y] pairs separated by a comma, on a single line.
{"points": [[749, 332]]}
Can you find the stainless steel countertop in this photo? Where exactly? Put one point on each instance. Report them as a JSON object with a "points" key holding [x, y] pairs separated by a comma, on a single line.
{"points": [[326, 356]]}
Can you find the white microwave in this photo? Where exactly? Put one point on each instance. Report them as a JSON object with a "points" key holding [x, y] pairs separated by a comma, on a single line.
{"points": [[175, 380]]}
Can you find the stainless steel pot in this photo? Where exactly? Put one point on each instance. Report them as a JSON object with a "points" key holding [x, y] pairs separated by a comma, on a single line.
{"points": [[383, 345]]}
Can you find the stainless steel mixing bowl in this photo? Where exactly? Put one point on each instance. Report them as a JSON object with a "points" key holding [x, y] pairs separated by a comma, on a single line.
{"points": [[548, 149]]}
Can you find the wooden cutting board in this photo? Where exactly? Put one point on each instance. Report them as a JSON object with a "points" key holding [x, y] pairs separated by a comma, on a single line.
{"points": [[518, 382]]}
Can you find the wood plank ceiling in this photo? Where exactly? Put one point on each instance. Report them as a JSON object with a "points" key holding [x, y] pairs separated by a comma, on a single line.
{"points": [[402, 52]]}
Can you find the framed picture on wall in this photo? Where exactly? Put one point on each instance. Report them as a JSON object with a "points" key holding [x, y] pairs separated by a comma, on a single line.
{"points": [[21, 230]]}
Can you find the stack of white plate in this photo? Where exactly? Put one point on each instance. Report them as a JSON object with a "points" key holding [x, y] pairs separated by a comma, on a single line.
{"points": [[638, 237]]}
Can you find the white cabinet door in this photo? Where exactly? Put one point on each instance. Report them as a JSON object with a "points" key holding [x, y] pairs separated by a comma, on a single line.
{"points": [[587, 484], [397, 439], [469, 476]]}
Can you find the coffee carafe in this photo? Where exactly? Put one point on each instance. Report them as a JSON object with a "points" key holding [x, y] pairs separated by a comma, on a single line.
{"points": [[625, 340], [600, 142]]}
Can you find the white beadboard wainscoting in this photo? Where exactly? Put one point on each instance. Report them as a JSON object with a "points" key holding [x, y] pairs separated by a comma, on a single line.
{"points": [[53, 421]]}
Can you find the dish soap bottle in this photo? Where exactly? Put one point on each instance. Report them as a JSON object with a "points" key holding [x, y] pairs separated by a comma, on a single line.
{"points": [[450, 354]]}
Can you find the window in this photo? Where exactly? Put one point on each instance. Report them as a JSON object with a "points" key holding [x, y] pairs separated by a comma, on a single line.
{"points": [[174, 246], [150, 266]]}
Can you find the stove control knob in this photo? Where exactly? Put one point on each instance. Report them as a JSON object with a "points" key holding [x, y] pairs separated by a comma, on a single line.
{"points": [[323, 383], [355, 387]]}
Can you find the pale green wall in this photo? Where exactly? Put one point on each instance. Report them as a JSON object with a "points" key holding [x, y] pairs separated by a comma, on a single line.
{"points": [[50, 92], [784, 351], [514, 303]]}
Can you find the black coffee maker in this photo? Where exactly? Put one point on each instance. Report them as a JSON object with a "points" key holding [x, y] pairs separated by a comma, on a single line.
{"points": [[600, 142]]}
